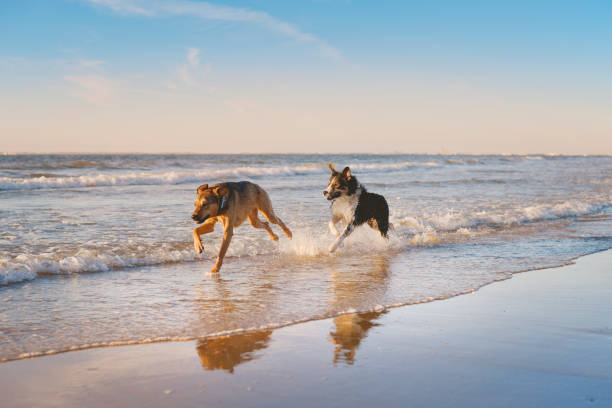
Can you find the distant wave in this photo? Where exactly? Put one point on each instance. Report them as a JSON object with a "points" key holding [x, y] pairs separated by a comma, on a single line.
{"points": [[469, 160], [174, 177], [46, 163], [473, 180], [391, 166], [75, 164]]}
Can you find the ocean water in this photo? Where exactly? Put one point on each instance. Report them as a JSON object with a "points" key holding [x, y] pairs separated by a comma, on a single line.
{"points": [[96, 250]]}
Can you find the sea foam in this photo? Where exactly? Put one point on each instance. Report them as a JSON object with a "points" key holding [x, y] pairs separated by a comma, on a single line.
{"points": [[452, 221], [306, 242], [413, 230]]}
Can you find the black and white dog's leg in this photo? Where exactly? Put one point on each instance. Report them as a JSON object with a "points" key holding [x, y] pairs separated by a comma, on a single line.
{"points": [[332, 225], [347, 231]]}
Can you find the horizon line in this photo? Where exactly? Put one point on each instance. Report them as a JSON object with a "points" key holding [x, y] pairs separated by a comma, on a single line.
{"points": [[551, 154]]}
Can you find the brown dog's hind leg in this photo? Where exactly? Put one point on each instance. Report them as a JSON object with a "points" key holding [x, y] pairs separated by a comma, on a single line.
{"points": [[275, 220], [257, 223], [265, 206], [208, 226]]}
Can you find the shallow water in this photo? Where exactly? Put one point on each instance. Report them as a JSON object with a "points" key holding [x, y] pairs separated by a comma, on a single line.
{"points": [[97, 249]]}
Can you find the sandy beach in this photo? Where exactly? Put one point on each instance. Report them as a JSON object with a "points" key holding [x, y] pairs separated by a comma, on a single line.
{"points": [[542, 338]]}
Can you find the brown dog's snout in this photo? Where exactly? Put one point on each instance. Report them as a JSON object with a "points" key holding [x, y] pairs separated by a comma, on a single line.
{"points": [[194, 216]]}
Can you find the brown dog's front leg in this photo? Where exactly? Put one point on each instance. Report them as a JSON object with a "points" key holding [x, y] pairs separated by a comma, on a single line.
{"points": [[208, 226], [228, 232]]}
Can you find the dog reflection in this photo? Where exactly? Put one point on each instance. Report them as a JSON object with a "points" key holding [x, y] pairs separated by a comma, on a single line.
{"points": [[350, 330], [349, 287], [224, 353]]}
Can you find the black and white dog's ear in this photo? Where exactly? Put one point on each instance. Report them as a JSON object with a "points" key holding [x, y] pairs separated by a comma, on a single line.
{"points": [[346, 173], [331, 167]]}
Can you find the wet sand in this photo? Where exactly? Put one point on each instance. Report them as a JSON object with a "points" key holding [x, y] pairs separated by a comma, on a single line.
{"points": [[540, 339]]}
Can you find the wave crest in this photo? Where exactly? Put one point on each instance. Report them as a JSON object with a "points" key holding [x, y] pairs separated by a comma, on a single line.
{"points": [[457, 221]]}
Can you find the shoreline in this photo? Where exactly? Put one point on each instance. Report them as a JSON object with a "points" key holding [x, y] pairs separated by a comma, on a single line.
{"points": [[539, 339], [378, 308]]}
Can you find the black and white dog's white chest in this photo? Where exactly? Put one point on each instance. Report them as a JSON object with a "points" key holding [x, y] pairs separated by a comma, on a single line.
{"points": [[345, 206]]}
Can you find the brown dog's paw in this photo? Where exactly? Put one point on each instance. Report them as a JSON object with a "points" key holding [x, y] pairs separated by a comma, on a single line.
{"points": [[197, 245]]}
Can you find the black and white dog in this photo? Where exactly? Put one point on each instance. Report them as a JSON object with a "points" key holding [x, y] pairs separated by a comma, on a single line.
{"points": [[352, 204]]}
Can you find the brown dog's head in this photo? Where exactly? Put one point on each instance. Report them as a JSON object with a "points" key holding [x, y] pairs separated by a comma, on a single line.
{"points": [[340, 183], [209, 202]]}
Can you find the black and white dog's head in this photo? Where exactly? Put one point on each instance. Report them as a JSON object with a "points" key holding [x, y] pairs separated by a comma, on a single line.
{"points": [[340, 184]]}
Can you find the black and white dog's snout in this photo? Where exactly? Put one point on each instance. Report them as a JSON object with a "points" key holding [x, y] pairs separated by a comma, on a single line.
{"points": [[331, 195]]}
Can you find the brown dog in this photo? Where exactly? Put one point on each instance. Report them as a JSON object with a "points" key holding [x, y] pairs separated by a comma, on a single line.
{"points": [[232, 204]]}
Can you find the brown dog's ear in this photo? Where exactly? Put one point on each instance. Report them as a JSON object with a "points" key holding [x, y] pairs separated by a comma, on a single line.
{"points": [[202, 187], [346, 173], [221, 192], [331, 167]]}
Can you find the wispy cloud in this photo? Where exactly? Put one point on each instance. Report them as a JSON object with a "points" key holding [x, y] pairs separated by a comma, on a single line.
{"points": [[92, 88], [193, 56], [90, 64], [190, 73], [52, 64], [208, 11], [13, 63]]}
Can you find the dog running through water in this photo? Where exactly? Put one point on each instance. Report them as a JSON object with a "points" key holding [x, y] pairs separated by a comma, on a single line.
{"points": [[352, 204], [231, 204]]}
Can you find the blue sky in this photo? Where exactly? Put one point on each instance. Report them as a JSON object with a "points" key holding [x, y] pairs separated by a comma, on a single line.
{"points": [[295, 76]]}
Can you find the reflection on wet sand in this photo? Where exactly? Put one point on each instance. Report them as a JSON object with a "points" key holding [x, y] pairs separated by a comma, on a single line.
{"points": [[224, 353], [350, 330], [224, 306]]}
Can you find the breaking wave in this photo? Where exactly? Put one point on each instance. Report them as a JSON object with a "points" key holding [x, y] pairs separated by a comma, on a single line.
{"points": [[305, 243], [410, 231], [28, 266], [458, 221]]}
